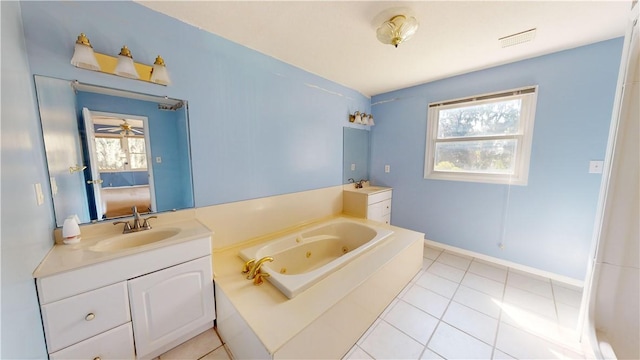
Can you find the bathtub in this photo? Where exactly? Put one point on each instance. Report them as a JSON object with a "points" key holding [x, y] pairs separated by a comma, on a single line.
{"points": [[309, 255]]}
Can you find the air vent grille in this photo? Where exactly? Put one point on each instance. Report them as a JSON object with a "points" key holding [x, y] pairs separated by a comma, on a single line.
{"points": [[518, 38]]}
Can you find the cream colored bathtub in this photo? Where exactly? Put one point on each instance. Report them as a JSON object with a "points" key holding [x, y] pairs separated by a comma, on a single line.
{"points": [[306, 257]]}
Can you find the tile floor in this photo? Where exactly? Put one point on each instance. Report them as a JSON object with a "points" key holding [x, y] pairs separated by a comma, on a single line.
{"points": [[457, 307]]}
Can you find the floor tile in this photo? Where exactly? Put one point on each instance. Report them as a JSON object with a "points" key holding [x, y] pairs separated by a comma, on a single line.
{"points": [[483, 284], [567, 296], [356, 353], [522, 345], [218, 354], [387, 342], [426, 300], [529, 282], [446, 271], [567, 316], [437, 284], [194, 348], [472, 322], [452, 343], [389, 307], [430, 355], [412, 321], [499, 355], [527, 300], [456, 261], [431, 252], [479, 301], [488, 271], [426, 263]]}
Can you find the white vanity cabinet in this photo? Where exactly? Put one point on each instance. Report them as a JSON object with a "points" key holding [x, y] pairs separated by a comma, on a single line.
{"points": [[167, 304], [373, 203], [134, 306]]}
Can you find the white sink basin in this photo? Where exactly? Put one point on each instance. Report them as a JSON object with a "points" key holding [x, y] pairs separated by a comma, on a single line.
{"points": [[127, 241]]}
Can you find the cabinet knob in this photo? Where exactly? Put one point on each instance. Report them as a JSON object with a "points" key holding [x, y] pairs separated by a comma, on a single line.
{"points": [[89, 317]]}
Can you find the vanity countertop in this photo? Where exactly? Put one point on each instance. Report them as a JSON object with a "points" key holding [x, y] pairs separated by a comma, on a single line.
{"points": [[367, 189], [63, 258]]}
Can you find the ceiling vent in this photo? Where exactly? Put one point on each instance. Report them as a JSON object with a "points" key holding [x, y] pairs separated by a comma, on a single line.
{"points": [[518, 38]]}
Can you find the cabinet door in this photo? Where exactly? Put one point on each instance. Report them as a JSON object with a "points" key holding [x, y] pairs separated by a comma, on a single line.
{"points": [[374, 212], [170, 303]]}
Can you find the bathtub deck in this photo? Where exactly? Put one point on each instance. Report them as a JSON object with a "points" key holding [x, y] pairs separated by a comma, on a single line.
{"points": [[287, 328]]}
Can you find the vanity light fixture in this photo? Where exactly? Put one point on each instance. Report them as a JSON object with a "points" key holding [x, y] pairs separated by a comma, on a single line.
{"points": [[397, 30], [83, 55], [159, 73], [123, 65], [361, 118]]}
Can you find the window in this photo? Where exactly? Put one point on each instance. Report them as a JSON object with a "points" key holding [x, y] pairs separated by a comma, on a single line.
{"points": [[485, 138], [120, 153]]}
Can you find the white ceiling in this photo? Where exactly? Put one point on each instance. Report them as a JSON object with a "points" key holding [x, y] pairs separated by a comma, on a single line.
{"points": [[337, 39]]}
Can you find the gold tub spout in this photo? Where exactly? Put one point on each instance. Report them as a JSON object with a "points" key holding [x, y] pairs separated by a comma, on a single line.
{"points": [[247, 266], [256, 267]]}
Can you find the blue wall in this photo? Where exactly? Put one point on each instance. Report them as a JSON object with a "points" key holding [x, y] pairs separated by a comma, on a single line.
{"points": [[548, 223], [259, 127], [172, 177], [26, 227]]}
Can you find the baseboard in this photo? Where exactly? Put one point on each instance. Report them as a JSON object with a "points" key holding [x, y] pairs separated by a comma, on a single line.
{"points": [[507, 263]]}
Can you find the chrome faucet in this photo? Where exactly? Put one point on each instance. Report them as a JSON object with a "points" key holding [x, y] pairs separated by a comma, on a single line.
{"points": [[360, 183], [136, 222]]}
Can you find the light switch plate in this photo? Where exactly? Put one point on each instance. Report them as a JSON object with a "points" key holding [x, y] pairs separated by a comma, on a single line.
{"points": [[595, 166], [387, 168], [353, 167], [158, 159]]}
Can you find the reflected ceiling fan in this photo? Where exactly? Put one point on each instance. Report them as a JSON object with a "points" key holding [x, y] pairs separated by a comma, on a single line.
{"points": [[125, 129]]}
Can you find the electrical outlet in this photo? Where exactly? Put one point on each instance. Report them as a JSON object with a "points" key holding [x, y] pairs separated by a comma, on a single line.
{"points": [[353, 167], [595, 166], [387, 168]]}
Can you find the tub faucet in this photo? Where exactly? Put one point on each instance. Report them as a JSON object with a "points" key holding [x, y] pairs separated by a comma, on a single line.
{"points": [[255, 269]]}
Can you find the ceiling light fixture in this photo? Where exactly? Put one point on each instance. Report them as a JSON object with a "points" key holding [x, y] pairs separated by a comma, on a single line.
{"points": [[397, 30]]}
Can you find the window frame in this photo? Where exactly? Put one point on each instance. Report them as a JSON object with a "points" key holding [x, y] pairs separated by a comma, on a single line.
{"points": [[524, 137]]}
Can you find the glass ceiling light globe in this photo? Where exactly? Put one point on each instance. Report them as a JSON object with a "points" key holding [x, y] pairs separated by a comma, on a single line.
{"points": [[159, 73], [398, 29], [83, 55], [125, 65]]}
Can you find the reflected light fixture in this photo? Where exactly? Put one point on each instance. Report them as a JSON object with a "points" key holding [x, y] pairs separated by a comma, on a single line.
{"points": [[397, 30], [83, 55], [361, 118], [125, 65], [159, 73]]}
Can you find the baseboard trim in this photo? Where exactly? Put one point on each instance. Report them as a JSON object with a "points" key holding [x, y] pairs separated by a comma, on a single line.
{"points": [[507, 263]]}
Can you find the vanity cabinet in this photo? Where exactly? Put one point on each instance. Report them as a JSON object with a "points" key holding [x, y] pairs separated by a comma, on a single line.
{"points": [[135, 306], [369, 203], [170, 303]]}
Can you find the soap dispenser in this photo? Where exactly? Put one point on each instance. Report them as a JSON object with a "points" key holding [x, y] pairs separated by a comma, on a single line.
{"points": [[71, 230]]}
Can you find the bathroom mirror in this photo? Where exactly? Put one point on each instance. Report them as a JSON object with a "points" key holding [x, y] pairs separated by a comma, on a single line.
{"points": [[108, 150], [355, 162]]}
